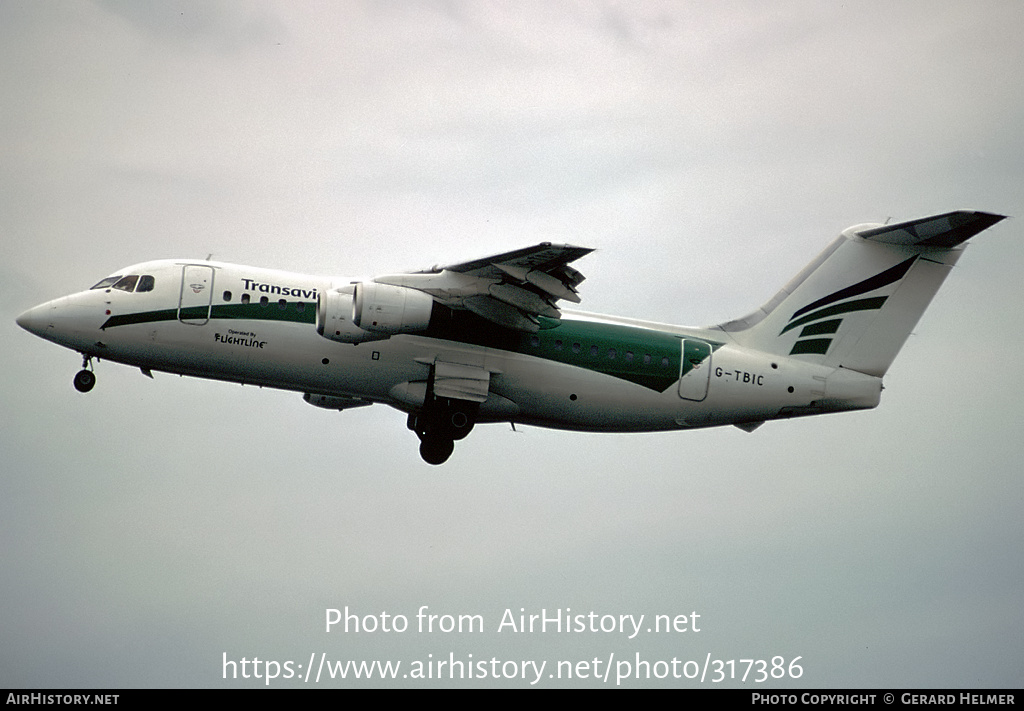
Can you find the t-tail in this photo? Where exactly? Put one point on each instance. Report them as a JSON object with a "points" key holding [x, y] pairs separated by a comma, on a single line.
{"points": [[855, 305]]}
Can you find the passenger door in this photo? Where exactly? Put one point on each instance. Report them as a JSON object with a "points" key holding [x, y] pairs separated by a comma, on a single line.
{"points": [[695, 370], [196, 294]]}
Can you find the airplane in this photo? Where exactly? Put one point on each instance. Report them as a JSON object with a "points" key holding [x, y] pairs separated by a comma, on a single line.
{"points": [[486, 341]]}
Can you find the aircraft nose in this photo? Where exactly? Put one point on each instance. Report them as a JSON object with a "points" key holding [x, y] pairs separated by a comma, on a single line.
{"points": [[35, 320]]}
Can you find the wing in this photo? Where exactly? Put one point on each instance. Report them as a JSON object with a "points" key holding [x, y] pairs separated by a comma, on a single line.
{"points": [[511, 289]]}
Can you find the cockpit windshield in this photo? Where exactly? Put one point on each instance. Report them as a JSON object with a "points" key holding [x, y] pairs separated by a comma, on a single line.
{"points": [[109, 281], [127, 283], [130, 283]]}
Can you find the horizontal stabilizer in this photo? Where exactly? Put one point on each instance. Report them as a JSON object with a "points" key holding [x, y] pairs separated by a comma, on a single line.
{"points": [[944, 231]]}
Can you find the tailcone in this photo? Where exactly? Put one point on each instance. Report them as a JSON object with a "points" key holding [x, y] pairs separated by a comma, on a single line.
{"points": [[849, 390]]}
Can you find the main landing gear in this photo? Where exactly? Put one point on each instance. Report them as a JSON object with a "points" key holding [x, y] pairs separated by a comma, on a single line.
{"points": [[440, 423], [85, 379], [439, 426]]}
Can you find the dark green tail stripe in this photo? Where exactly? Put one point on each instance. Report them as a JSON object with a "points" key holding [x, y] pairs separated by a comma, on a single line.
{"points": [[885, 278], [858, 305], [818, 329], [811, 345]]}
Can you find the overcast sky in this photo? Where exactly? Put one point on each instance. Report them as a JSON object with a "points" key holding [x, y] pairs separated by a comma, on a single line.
{"points": [[707, 150]]}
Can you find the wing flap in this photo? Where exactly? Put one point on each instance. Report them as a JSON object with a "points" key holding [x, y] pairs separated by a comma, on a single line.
{"points": [[511, 289], [460, 382], [524, 300], [501, 313]]}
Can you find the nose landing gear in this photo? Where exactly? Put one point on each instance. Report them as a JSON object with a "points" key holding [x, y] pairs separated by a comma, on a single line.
{"points": [[85, 379]]}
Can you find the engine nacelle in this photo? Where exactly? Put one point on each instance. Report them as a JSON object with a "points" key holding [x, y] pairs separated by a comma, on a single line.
{"points": [[334, 317], [387, 310], [368, 311]]}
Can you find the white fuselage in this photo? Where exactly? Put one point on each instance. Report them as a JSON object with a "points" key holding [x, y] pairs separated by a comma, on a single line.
{"points": [[585, 372]]}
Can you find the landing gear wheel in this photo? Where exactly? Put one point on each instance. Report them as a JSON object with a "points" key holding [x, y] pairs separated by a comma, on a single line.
{"points": [[436, 450], [84, 381], [460, 422], [440, 422]]}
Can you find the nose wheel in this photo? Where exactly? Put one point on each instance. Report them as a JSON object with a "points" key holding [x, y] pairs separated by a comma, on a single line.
{"points": [[85, 379]]}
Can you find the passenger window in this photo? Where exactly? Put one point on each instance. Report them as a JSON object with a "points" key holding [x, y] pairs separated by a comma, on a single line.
{"points": [[629, 356], [535, 341], [664, 362], [128, 283], [264, 301], [300, 306], [593, 350], [647, 358], [227, 296], [146, 283], [245, 298], [558, 345], [611, 354], [282, 304], [575, 347]]}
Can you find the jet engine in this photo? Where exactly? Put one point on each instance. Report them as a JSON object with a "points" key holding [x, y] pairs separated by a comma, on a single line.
{"points": [[368, 311], [386, 309], [334, 317]]}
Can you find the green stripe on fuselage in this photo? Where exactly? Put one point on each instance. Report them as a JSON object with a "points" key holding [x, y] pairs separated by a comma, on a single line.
{"points": [[647, 358], [294, 311], [643, 356], [253, 312]]}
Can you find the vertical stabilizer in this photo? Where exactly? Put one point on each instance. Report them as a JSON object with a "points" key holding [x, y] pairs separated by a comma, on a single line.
{"points": [[856, 304]]}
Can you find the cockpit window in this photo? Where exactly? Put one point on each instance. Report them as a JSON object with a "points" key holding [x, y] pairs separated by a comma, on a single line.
{"points": [[132, 282], [127, 283], [109, 281]]}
